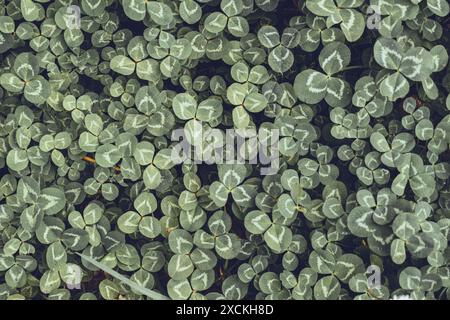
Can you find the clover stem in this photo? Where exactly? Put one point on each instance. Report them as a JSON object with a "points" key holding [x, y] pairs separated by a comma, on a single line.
{"points": [[353, 68]]}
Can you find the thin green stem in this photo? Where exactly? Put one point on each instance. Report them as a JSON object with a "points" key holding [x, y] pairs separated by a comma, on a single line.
{"points": [[354, 68], [137, 287]]}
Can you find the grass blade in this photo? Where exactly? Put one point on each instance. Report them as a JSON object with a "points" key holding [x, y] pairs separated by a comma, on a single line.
{"points": [[147, 292]]}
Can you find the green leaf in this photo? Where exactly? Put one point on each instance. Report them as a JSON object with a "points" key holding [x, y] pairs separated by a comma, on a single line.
{"points": [[218, 193], [150, 227], [184, 106], [30, 10], [228, 246], [232, 7], [179, 289], [281, 59], [190, 11], [231, 174], [129, 222], [410, 278], [37, 90], [327, 288], [310, 86], [122, 65], [394, 86], [322, 7], [255, 102], [417, 64], [398, 251], [11, 82], [347, 266], [93, 7], [17, 159], [145, 203], [107, 155], [334, 57], [180, 267], [278, 238], [387, 53], [160, 12], [257, 222], [49, 281], [353, 24], [439, 7], [338, 93], [94, 123], [135, 9], [238, 26], [52, 200], [56, 256], [209, 110], [109, 290], [216, 22], [152, 177]]}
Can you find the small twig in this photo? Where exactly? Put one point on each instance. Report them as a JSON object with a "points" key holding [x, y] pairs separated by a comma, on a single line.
{"points": [[223, 273], [92, 161], [89, 159], [419, 102], [169, 230]]}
